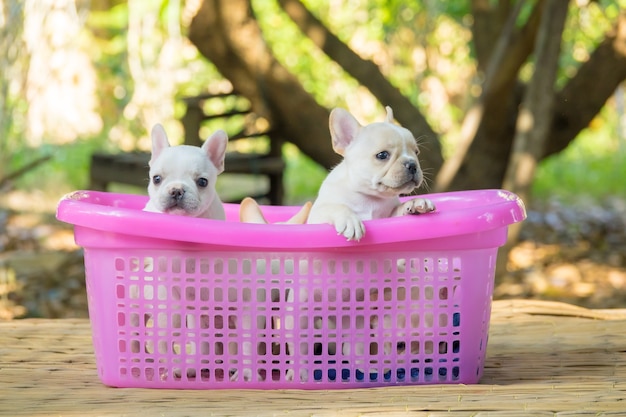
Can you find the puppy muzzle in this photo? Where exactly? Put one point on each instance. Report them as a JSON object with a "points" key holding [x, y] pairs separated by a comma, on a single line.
{"points": [[177, 194], [176, 199], [411, 166]]}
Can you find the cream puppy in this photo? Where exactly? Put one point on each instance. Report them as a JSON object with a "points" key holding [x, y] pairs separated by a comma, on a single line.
{"points": [[182, 178], [182, 182], [379, 164]]}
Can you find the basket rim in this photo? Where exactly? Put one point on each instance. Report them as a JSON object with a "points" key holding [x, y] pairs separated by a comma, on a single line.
{"points": [[458, 213]]}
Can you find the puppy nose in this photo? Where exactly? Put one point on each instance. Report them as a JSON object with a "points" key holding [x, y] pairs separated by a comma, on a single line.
{"points": [[411, 166], [177, 193]]}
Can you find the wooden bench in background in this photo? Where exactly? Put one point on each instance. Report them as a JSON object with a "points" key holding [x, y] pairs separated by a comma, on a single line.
{"points": [[132, 168]]}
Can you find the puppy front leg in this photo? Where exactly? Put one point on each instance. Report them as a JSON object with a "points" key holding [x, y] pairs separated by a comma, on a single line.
{"points": [[414, 206], [345, 220]]}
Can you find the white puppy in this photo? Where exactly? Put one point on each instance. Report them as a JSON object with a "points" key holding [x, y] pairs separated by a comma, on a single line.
{"points": [[182, 182], [182, 178], [379, 164]]}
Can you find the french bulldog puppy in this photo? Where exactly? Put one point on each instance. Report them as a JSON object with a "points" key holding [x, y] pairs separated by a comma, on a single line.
{"points": [[379, 164], [182, 182], [182, 178]]}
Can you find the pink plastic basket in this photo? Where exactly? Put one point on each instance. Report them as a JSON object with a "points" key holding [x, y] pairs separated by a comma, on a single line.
{"points": [[188, 303]]}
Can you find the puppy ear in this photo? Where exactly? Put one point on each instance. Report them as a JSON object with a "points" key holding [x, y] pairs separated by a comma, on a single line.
{"points": [[389, 118], [250, 212], [159, 141], [343, 129], [215, 148]]}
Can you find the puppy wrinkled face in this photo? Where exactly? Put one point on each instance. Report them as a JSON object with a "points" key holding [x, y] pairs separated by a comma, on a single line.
{"points": [[391, 153], [379, 165], [182, 188], [182, 178]]}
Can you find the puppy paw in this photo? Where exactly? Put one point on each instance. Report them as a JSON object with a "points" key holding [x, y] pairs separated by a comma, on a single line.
{"points": [[417, 206], [351, 227]]}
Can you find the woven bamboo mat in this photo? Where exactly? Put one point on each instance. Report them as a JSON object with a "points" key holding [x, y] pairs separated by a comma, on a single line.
{"points": [[544, 359]]}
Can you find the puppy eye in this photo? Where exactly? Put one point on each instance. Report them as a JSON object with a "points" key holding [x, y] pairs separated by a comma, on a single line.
{"points": [[202, 182], [156, 180], [382, 155]]}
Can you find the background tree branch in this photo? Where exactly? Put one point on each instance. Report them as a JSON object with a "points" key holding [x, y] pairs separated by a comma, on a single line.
{"points": [[494, 77], [368, 74], [585, 93], [487, 140], [226, 32]]}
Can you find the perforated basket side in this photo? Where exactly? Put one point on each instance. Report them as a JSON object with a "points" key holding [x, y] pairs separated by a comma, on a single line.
{"points": [[170, 318]]}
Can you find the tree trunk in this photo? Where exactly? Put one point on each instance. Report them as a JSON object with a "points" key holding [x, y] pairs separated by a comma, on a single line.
{"points": [[504, 61], [490, 147], [226, 32], [580, 100], [535, 116]]}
